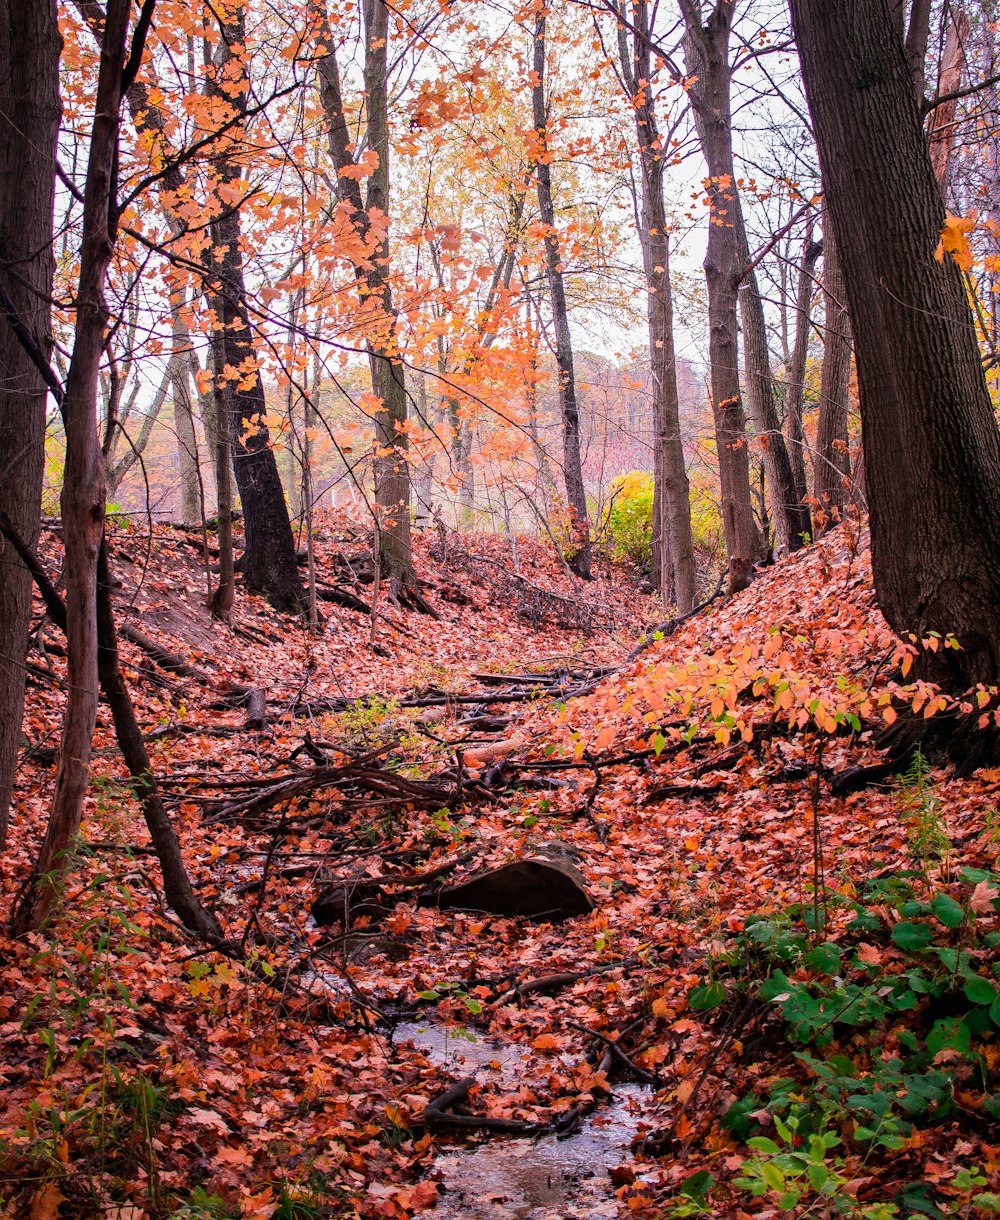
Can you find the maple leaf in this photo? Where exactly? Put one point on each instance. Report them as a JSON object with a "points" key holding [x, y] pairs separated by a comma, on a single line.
{"points": [[955, 240], [546, 1042], [46, 1201]]}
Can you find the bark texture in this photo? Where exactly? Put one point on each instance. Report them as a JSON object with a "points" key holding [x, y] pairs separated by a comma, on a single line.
{"points": [[833, 459], [796, 382], [791, 517], [29, 123], [932, 448], [392, 549], [706, 52], [941, 128], [29, 115], [269, 563]]}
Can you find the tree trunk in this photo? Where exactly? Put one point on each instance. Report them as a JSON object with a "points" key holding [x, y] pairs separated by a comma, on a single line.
{"points": [[941, 129], [392, 472], [576, 496], [29, 124], [671, 492], [83, 487], [833, 458], [184, 429], [795, 385], [176, 884], [269, 564], [932, 448], [225, 592], [392, 477], [423, 482], [791, 517], [706, 49]]}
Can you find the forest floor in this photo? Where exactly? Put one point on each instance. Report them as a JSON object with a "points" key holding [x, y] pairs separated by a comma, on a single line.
{"points": [[789, 972]]}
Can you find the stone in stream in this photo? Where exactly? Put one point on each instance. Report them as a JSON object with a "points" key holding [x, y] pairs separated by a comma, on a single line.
{"points": [[345, 902], [544, 888]]}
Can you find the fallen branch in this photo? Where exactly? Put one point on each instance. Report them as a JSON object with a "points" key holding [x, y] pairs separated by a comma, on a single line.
{"points": [[162, 657], [670, 625], [436, 1114], [613, 1045]]}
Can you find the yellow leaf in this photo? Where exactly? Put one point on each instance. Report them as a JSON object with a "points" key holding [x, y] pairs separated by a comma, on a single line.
{"points": [[955, 240]]}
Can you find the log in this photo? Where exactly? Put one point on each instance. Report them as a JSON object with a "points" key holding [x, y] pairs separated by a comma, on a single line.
{"points": [[163, 657]]}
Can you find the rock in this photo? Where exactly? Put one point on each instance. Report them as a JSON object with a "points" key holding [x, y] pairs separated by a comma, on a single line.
{"points": [[344, 903], [544, 889]]}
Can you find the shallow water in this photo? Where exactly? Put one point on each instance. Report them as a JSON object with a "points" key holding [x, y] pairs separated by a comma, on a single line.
{"points": [[521, 1179]]}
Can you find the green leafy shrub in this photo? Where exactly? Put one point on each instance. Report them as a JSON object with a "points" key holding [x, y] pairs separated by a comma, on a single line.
{"points": [[892, 1025], [627, 526]]}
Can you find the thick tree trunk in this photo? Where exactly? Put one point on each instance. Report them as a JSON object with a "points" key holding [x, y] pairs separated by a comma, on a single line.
{"points": [[392, 472], [932, 448], [269, 564], [795, 385], [833, 459], [29, 124], [83, 487], [791, 517], [671, 493], [706, 49], [576, 496]]}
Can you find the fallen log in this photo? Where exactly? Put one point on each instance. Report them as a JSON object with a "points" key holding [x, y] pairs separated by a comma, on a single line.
{"points": [[437, 1114], [162, 657]]}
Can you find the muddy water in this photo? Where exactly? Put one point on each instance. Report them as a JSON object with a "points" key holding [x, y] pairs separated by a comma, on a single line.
{"points": [[522, 1179]]}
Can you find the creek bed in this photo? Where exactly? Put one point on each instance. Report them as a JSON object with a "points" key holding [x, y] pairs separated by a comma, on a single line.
{"points": [[548, 1178]]}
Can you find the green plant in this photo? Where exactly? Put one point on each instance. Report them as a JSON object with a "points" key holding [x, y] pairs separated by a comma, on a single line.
{"points": [[927, 841], [888, 1024], [203, 1206], [991, 831], [693, 1196], [368, 722], [626, 530]]}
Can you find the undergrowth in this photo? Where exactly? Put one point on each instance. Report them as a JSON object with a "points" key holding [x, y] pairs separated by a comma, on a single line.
{"points": [[870, 1036]]}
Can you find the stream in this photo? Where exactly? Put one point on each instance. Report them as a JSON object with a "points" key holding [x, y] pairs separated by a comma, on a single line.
{"points": [[504, 1178]]}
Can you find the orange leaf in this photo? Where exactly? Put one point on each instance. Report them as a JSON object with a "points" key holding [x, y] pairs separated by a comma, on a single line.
{"points": [[546, 1042], [45, 1202]]}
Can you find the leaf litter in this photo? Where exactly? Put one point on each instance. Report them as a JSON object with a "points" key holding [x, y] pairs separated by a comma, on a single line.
{"points": [[143, 1070]]}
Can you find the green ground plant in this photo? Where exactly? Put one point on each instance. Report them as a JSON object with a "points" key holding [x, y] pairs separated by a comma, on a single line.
{"points": [[889, 1025]]}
